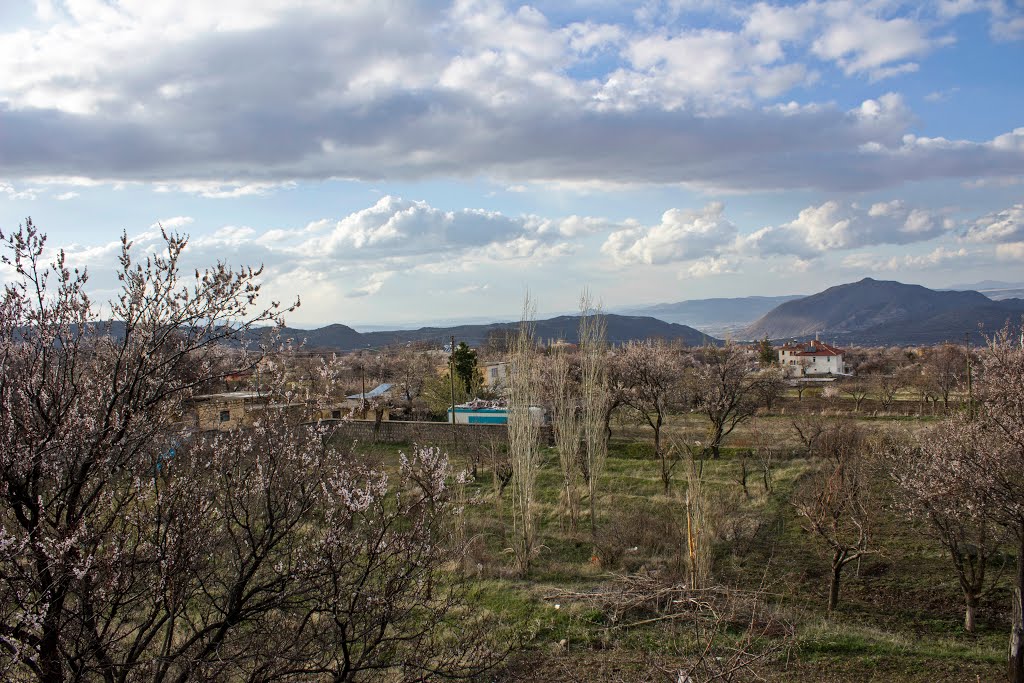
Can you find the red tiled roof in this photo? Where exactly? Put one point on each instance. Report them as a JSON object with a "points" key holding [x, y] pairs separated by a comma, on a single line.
{"points": [[813, 348]]}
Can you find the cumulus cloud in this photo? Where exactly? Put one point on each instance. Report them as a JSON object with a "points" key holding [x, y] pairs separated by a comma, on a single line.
{"points": [[373, 284], [396, 226], [705, 242], [1000, 226], [1006, 19], [710, 265], [27, 194], [937, 256], [836, 226], [861, 42], [681, 236], [187, 95], [362, 250]]}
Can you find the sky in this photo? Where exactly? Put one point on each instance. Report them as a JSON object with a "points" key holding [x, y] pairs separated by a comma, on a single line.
{"points": [[394, 162]]}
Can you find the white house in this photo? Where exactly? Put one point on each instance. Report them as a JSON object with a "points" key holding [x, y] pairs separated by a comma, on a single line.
{"points": [[811, 358]]}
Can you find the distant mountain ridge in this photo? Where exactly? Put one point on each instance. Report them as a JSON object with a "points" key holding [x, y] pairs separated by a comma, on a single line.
{"points": [[716, 315], [886, 312], [620, 329], [997, 290]]}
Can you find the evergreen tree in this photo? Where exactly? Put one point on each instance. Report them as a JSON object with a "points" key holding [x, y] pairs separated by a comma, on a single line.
{"points": [[464, 360]]}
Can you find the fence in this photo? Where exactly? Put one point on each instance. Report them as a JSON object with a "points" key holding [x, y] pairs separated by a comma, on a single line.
{"points": [[426, 433]]}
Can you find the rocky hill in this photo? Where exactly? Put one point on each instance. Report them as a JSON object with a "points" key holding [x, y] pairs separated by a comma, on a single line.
{"points": [[886, 312]]}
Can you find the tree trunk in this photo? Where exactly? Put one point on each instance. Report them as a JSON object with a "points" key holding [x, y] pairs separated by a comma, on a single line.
{"points": [[51, 665], [972, 607], [1016, 654], [593, 512], [716, 439], [833, 588], [657, 438]]}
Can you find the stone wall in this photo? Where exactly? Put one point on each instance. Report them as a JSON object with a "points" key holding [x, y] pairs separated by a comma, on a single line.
{"points": [[425, 433]]}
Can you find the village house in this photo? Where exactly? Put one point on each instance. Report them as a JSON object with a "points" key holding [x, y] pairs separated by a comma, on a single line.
{"points": [[495, 375], [373, 405], [232, 409], [801, 359]]}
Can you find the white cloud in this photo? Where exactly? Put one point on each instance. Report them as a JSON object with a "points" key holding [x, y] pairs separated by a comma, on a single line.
{"points": [[173, 223], [472, 289], [861, 41], [186, 96], [1000, 226], [941, 95], [65, 196], [936, 257], [394, 235], [395, 226], [781, 24], [372, 286], [681, 236], [833, 225], [710, 265], [223, 189]]}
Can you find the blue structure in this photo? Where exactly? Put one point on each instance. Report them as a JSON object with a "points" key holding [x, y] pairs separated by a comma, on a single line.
{"points": [[479, 416], [480, 413]]}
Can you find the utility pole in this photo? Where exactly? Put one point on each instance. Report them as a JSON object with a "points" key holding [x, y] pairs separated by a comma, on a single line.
{"points": [[451, 374]]}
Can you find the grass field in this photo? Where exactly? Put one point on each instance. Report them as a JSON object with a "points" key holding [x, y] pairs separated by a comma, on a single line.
{"points": [[900, 611]]}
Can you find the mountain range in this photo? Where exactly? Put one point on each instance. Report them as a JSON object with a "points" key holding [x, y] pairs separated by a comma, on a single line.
{"points": [[876, 312], [869, 312], [620, 329]]}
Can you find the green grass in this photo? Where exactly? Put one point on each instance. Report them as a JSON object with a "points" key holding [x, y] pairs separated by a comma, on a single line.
{"points": [[900, 608]]}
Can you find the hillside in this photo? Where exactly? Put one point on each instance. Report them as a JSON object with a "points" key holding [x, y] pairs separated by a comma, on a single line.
{"points": [[886, 312], [621, 328]]}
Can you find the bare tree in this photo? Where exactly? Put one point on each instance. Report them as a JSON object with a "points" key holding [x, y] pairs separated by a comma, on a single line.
{"points": [[651, 376], [833, 502], [721, 391], [699, 528], [769, 384], [134, 550], [766, 451], [979, 457], [85, 408], [568, 429], [946, 368], [963, 526], [885, 388], [857, 388], [594, 398], [809, 429], [524, 440], [412, 368]]}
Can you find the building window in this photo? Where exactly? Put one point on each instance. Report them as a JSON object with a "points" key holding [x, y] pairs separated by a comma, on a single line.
{"points": [[335, 414], [494, 373], [225, 415]]}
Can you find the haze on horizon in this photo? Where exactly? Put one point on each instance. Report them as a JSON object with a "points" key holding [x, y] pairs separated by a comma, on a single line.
{"points": [[422, 160]]}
